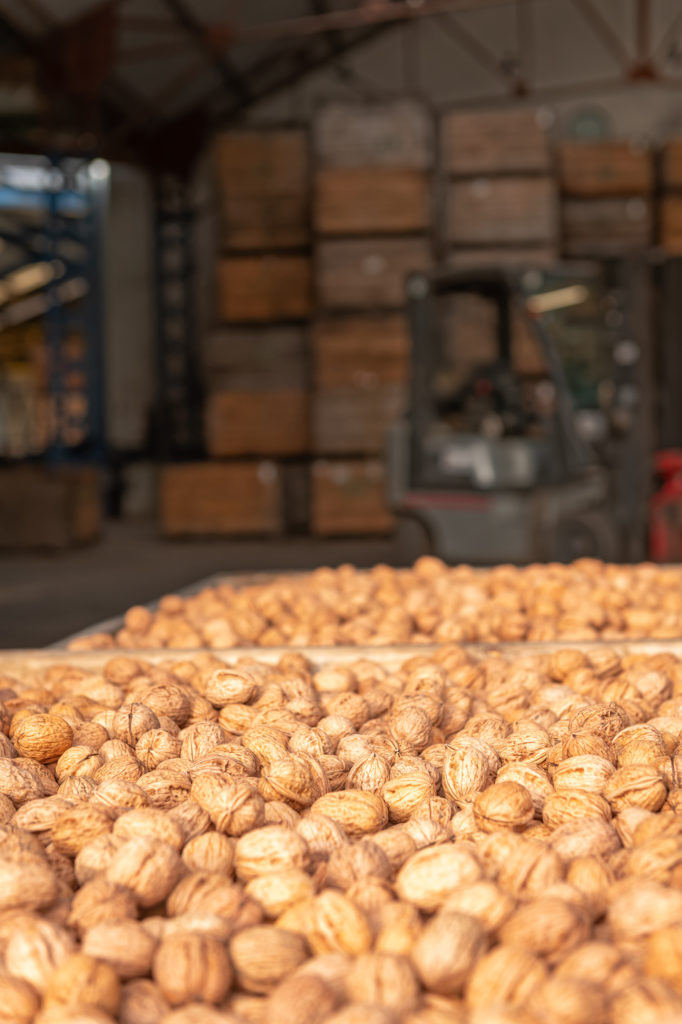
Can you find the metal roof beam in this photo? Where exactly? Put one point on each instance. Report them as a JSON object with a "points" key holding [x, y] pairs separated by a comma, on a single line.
{"points": [[231, 78]]}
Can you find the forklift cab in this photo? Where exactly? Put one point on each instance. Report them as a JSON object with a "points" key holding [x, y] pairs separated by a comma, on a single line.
{"points": [[489, 460]]}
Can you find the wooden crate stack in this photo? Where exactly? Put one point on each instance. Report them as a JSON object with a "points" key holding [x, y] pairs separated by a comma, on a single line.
{"points": [[606, 208], [255, 360], [498, 190], [372, 218], [670, 213]]}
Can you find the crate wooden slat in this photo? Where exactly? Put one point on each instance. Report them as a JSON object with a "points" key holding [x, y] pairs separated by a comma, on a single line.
{"points": [[462, 258], [362, 201], [260, 358], [261, 162], [671, 224], [355, 420], [264, 288], [604, 227], [392, 134], [273, 422], [612, 168], [220, 498], [493, 142], [350, 497], [367, 273], [671, 164], [264, 222], [352, 349], [493, 211]]}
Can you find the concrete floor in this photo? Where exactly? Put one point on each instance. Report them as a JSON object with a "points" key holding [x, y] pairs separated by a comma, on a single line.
{"points": [[45, 597]]}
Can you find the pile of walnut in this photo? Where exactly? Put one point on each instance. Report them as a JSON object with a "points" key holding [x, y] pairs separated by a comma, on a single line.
{"points": [[429, 603], [490, 842]]}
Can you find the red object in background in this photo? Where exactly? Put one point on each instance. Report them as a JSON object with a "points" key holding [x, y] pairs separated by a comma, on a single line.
{"points": [[665, 518]]}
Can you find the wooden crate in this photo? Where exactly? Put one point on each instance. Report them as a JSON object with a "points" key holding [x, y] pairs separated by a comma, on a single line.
{"points": [[353, 349], [606, 227], [202, 499], [671, 224], [505, 256], [493, 142], [355, 419], [605, 169], [393, 134], [367, 273], [261, 163], [491, 211], [256, 423], [255, 358], [349, 497], [263, 288], [42, 507], [382, 200], [671, 164], [264, 222]]}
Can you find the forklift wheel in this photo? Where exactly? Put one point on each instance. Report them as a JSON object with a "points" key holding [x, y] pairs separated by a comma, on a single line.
{"points": [[588, 536], [412, 540]]}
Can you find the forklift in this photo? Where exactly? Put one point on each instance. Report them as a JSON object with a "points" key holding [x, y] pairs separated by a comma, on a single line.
{"points": [[499, 469]]}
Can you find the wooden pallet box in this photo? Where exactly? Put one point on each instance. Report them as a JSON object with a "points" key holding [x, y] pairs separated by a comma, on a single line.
{"points": [[671, 165], [355, 419], [264, 222], [264, 288], [612, 168], [261, 162], [349, 497], [358, 200], [204, 499], [671, 224], [258, 358], [41, 507], [367, 273], [494, 211], [351, 349], [493, 142], [272, 422], [606, 227], [393, 134]]}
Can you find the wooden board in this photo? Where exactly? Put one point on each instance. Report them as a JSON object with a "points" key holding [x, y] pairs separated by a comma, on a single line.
{"points": [[368, 273], [511, 210], [349, 350], [350, 497], [606, 227], [255, 358], [361, 201], [493, 142], [202, 499], [41, 507], [261, 162], [531, 256], [355, 419], [671, 164], [393, 134], [263, 288], [273, 422], [264, 222], [605, 169], [671, 224]]}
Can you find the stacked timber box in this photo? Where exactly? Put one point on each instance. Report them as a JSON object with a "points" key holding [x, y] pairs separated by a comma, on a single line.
{"points": [[499, 197], [670, 214], [606, 207], [372, 221], [255, 358], [500, 200]]}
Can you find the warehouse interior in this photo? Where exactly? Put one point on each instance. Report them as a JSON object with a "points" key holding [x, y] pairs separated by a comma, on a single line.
{"points": [[227, 232]]}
